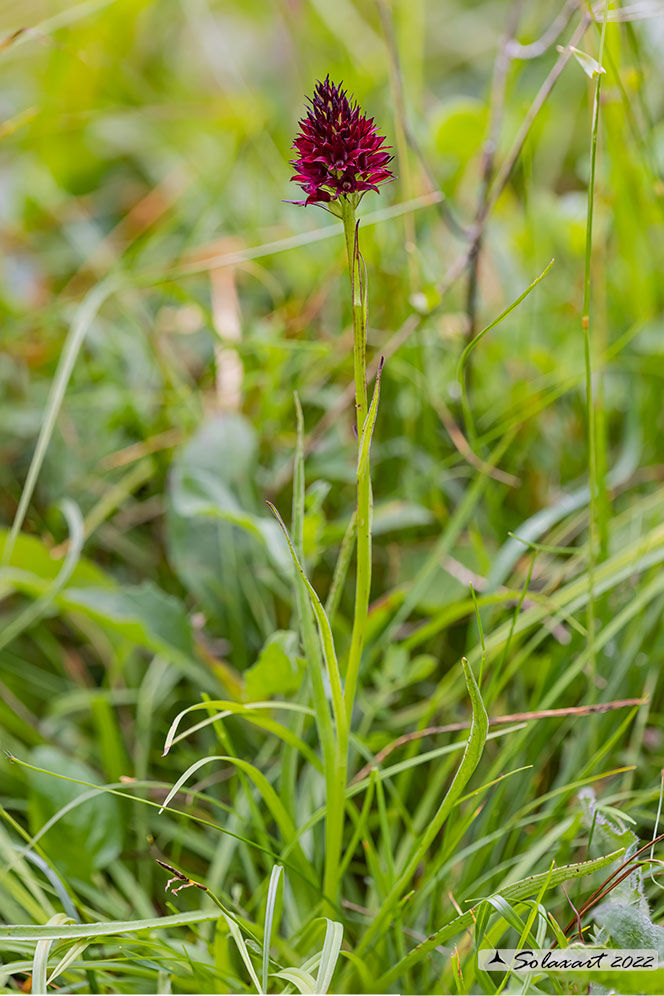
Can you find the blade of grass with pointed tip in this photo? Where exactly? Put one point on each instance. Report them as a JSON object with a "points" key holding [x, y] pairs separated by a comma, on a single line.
{"points": [[236, 934], [246, 712], [67, 960], [244, 709], [474, 343]]}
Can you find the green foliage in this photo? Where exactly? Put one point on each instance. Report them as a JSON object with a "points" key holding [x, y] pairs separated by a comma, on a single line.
{"points": [[278, 670], [87, 837]]}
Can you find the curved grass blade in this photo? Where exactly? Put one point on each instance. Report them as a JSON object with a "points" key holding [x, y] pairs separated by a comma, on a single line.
{"points": [[331, 947], [268, 794], [229, 708], [463, 359], [265, 722], [42, 951], [304, 981], [66, 961], [269, 917], [85, 315]]}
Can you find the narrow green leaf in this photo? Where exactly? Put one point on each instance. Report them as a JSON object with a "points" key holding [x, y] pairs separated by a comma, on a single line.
{"points": [[334, 933], [474, 343], [31, 932], [368, 427], [327, 640], [268, 794], [242, 948], [229, 708], [269, 917], [42, 950], [68, 959], [83, 319]]}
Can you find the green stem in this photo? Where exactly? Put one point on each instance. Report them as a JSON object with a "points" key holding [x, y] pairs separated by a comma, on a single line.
{"points": [[364, 498], [335, 754], [334, 791], [590, 403]]}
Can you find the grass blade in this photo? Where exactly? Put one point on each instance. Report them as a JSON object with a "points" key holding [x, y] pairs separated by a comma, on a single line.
{"points": [[269, 916], [80, 326], [68, 932], [331, 947], [42, 951]]}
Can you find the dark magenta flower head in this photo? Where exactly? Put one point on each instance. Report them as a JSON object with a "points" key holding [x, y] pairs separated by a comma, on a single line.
{"points": [[339, 151]]}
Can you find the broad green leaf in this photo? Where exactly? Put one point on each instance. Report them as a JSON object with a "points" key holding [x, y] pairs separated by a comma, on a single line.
{"points": [[87, 837], [225, 446], [144, 615], [212, 478], [33, 612], [627, 926], [609, 833], [32, 567], [278, 670]]}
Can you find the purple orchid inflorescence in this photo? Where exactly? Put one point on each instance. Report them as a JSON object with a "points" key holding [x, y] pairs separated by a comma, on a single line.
{"points": [[339, 151]]}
